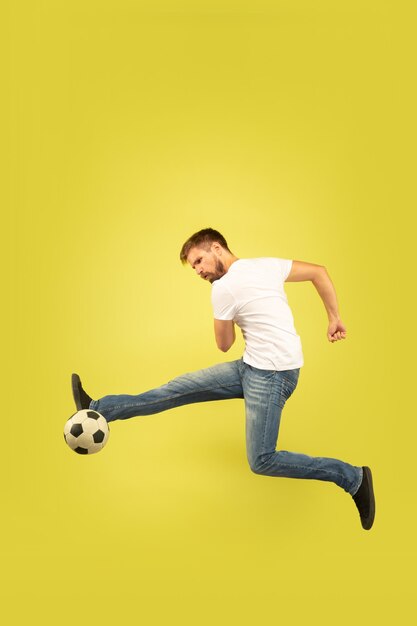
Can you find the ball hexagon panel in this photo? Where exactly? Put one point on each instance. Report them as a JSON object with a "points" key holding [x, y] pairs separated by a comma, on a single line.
{"points": [[89, 426], [71, 441], [102, 424], [79, 417], [85, 440], [68, 426]]}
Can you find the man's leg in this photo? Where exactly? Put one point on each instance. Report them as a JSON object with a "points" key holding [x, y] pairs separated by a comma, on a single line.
{"points": [[219, 382], [265, 393]]}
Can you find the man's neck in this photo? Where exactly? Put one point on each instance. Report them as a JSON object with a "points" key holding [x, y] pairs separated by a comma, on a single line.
{"points": [[230, 262]]}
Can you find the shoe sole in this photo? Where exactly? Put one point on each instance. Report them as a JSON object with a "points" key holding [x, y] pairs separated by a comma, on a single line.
{"points": [[76, 384], [367, 524]]}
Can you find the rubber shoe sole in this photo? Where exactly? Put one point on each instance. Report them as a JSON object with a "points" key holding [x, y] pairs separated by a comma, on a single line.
{"points": [[77, 393], [365, 499]]}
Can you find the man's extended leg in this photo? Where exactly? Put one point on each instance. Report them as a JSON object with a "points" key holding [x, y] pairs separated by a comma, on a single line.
{"points": [[266, 392], [219, 382]]}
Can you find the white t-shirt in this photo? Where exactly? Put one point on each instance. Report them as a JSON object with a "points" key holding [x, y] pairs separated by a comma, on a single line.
{"points": [[251, 293]]}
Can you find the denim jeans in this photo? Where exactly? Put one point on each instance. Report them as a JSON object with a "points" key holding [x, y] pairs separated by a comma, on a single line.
{"points": [[264, 392]]}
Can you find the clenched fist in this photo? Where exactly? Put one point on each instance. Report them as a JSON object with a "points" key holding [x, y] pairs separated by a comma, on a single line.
{"points": [[336, 331]]}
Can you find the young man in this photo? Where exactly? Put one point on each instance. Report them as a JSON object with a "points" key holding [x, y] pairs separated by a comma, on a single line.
{"points": [[250, 293]]}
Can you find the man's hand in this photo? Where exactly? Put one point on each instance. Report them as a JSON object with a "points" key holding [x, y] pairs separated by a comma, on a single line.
{"points": [[336, 331]]}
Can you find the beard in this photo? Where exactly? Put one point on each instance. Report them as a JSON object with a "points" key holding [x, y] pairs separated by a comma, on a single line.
{"points": [[218, 273]]}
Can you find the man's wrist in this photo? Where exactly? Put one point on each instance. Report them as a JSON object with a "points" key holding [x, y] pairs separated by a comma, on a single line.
{"points": [[333, 317]]}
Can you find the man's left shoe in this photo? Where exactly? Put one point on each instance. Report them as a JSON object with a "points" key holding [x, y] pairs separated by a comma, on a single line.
{"points": [[81, 399], [365, 500]]}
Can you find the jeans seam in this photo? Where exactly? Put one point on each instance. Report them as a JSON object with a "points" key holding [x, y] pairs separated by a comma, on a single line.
{"points": [[268, 414], [303, 467], [188, 393]]}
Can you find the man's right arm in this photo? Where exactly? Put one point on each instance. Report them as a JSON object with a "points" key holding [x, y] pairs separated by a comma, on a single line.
{"points": [[318, 275]]}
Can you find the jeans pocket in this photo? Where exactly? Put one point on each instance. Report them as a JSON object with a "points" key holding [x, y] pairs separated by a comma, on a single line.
{"points": [[289, 381]]}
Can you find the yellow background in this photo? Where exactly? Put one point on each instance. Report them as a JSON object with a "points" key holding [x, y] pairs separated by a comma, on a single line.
{"points": [[127, 126]]}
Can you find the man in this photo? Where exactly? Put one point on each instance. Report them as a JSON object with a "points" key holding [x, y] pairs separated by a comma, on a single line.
{"points": [[250, 293]]}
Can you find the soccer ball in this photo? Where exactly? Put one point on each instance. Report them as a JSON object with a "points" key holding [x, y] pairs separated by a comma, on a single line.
{"points": [[86, 432]]}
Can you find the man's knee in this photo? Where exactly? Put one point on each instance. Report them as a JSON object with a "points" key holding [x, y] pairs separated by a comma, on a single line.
{"points": [[259, 463]]}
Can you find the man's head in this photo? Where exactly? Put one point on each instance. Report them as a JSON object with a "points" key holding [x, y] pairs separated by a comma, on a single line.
{"points": [[208, 254]]}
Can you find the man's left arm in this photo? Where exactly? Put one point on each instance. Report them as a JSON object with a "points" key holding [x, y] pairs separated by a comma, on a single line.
{"points": [[318, 275], [224, 331]]}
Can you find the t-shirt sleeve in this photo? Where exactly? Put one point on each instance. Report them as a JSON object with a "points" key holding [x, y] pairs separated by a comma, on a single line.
{"points": [[224, 304], [284, 267]]}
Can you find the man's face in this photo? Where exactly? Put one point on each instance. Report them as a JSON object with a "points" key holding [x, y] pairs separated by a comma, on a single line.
{"points": [[206, 263]]}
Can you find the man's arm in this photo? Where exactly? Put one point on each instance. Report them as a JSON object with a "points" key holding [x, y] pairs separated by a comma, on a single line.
{"points": [[224, 331], [321, 280]]}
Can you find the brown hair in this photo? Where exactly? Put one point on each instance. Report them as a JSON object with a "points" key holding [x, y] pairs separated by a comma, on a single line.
{"points": [[202, 239]]}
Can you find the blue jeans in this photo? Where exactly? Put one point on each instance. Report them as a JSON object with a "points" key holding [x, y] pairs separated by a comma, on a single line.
{"points": [[264, 392]]}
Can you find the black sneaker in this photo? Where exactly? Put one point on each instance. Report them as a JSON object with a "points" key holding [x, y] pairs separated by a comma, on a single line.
{"points": [[81, 399], [365, 500]]}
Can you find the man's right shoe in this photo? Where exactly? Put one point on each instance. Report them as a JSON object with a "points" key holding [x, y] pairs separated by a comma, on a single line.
{"points": [[365, 500], [81, 399]]}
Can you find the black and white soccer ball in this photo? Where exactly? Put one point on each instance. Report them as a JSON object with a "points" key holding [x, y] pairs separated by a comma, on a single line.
{"points": [[86, 432]]}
